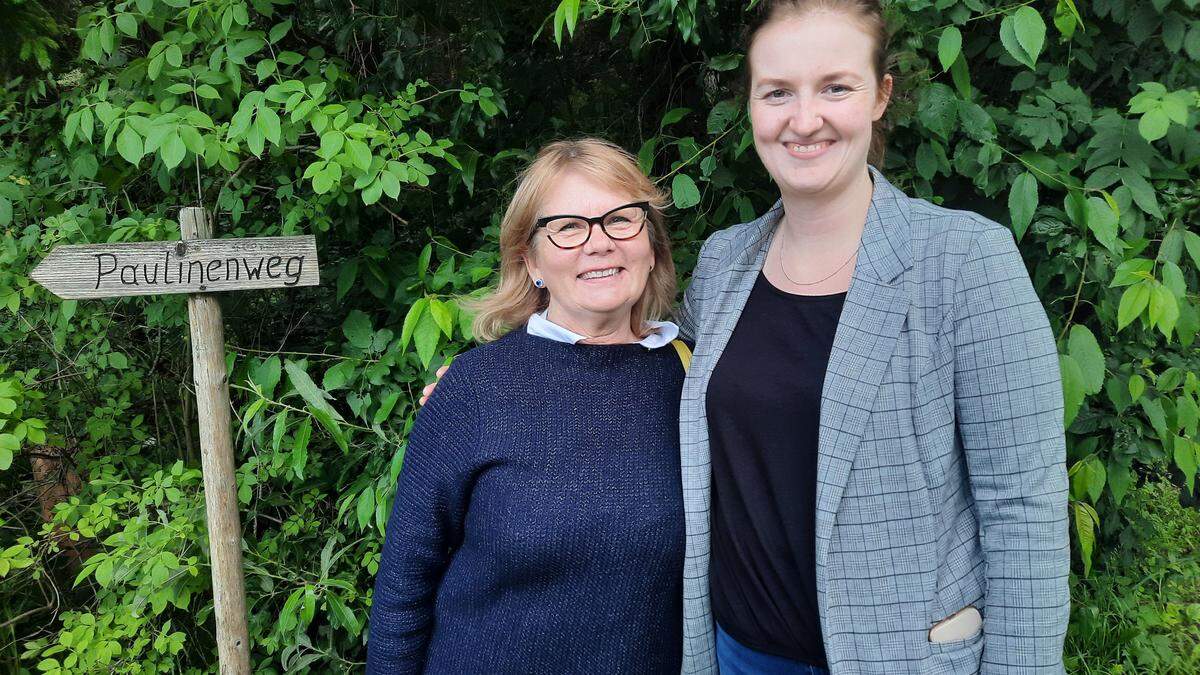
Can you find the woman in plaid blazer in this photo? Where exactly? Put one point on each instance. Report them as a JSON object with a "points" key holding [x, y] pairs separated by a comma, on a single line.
{"points": [[936, 511]]}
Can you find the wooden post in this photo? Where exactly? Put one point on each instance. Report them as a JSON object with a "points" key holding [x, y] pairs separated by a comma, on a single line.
{"points": [[216, 451]]}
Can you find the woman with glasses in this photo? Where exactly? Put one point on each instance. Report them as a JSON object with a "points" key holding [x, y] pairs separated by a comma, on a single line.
{"points": [[538, 519]]}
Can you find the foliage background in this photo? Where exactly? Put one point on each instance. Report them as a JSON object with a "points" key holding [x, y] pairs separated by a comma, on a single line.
{"points": [[392, 131]]}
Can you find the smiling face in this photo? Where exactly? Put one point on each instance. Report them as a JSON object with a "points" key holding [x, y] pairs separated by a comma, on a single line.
{"points": [[814, 95], [596, 284]]}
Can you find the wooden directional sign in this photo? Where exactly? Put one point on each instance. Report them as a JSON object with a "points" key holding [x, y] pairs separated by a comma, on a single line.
{"points": [[194, 266], [199, 265]]}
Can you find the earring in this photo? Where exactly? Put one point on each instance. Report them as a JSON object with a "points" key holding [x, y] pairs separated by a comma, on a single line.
{"points": [[539, 283]]}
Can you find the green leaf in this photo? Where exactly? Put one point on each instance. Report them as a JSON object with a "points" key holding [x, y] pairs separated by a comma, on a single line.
{"points": [[1158, 418], [390, 184], [1132, 271], [1137, 387], [208, 92], [1142, 191], [264, 69], [976, 122], [1086, 522], [1154, 124], [346, 277], [1030, 30], [1084, 348], [961, 74], [278, 430], [1066, 18], [243, 48], [646, 154], [1191, 43], [372, 192], [300, 447], [308, 390], [927, 163], [673, 115], [359, 153], [423, 261], [725, 62], [386, 407], [443, 316], [937, 109], [331, 144], [104, 572], [279, 30], [1164, 309], [411, 319], [1008, 38], [366, 507], [1133, 302], [129, 144], [128, 24], [1087, 478], [1022, 202], [172, 150], [118, 360], [267, 122], [337, 376], [342, 614], [684, 191], [265, 374], [1120, 479], [1102, 221], [949, 46], [325, 417], [1191, 242], [426, 337], [1186, 460], [1072, 383], [722, 115], [9, 445], [571, 15], [357, 329]]}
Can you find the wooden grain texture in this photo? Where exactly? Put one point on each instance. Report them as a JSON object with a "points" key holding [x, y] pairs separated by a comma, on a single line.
{"points": [[202, 265], [216, 448]]}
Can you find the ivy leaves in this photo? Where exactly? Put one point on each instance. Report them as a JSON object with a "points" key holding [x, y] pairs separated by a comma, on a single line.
{"points": [[1023, 33]]}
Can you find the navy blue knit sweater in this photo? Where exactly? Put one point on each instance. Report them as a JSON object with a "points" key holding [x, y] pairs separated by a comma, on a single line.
{"points": [[538, 519]]}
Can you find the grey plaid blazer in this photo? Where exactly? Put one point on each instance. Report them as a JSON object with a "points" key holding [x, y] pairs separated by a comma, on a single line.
{"points": [[941, 479]]}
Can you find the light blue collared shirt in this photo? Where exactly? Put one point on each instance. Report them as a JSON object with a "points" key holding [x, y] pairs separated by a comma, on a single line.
{"points": [[662, 332]]}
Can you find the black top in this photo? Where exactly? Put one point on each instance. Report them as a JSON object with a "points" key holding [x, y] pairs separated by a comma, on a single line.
{"points": [[763, 405]]}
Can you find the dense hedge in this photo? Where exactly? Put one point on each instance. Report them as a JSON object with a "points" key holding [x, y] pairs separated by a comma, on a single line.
{"points": [[392, 130]]}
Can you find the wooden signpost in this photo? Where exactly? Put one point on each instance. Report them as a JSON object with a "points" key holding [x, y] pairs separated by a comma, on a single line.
{"points": [[198, 265]]}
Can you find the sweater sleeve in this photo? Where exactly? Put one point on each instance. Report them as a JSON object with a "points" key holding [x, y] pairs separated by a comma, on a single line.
{"points": [[1009, 403], [425, 526]]}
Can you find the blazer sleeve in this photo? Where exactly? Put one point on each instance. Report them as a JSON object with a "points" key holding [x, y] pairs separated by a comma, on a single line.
{"points": [[1009, 406], [425, 526]]}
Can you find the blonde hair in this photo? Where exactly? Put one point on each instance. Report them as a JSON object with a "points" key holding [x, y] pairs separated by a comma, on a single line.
{"points": [[514, 298]]}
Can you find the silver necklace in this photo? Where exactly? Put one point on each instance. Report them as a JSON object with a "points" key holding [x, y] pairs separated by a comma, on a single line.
{"points": [[782, 251]]}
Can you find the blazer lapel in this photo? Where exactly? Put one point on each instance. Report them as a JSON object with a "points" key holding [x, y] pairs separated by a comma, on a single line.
{"points": [[871, 320], [747, 261]]}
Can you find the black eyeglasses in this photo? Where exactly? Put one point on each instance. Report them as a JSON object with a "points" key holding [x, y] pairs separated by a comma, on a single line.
{"points": [[623, 222]]}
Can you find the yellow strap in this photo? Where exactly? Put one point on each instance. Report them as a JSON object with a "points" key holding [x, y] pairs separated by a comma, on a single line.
{"points": [[685, 354]]}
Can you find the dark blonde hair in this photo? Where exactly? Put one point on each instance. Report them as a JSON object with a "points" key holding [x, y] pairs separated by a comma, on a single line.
{"points": [[514, 298], [869, 15]]}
